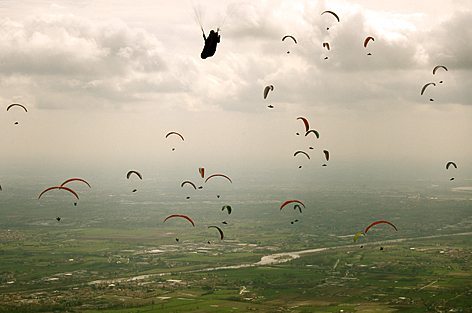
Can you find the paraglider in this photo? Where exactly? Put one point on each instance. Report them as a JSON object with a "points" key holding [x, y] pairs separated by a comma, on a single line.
{"points": [[438, 67], [305, 122], [291, 201], [291, 37], [76, 179], [61, 188], [58, 219], [332, 13], [301, 152], [377, 223], [227, 207], [448, 165], [175, 134], [267, 89], [128, 175], [326, 45], [426, 86], [180, 216], [366, 41], [218, 175], [211, 42], [219, 230], [16, 105], [134, 172]]}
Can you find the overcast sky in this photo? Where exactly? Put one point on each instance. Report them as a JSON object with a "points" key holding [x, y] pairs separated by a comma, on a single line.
{"points": [[104, 81]]}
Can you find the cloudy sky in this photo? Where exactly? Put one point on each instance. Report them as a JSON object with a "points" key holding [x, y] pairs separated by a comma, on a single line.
{"points": [[104, 81]]}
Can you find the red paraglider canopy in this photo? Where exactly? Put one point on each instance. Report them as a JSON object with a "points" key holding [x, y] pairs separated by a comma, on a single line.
{"points": [[291, 201], [379, 222], [181, 216]]}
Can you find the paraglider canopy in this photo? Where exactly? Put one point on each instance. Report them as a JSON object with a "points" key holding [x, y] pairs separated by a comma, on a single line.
{"points": [[218, 175], [180, 216], [75, 179], [302, 152], [377, 223], [134, 172], [291, 201], [305, 122], [317, 134], [267, 89], [366, 41], [289, 36], [18, 105], [438, 67], [426, 86], [188, 182], [449, 164], [175, 133], [61, 188], [219, 230], [227, 207]]}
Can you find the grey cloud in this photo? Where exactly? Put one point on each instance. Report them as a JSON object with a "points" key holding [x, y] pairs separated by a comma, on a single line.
{"points": [[73, 57]]}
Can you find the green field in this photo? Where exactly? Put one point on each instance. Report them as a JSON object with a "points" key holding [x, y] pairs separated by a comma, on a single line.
{"points": [[114, 265]]}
